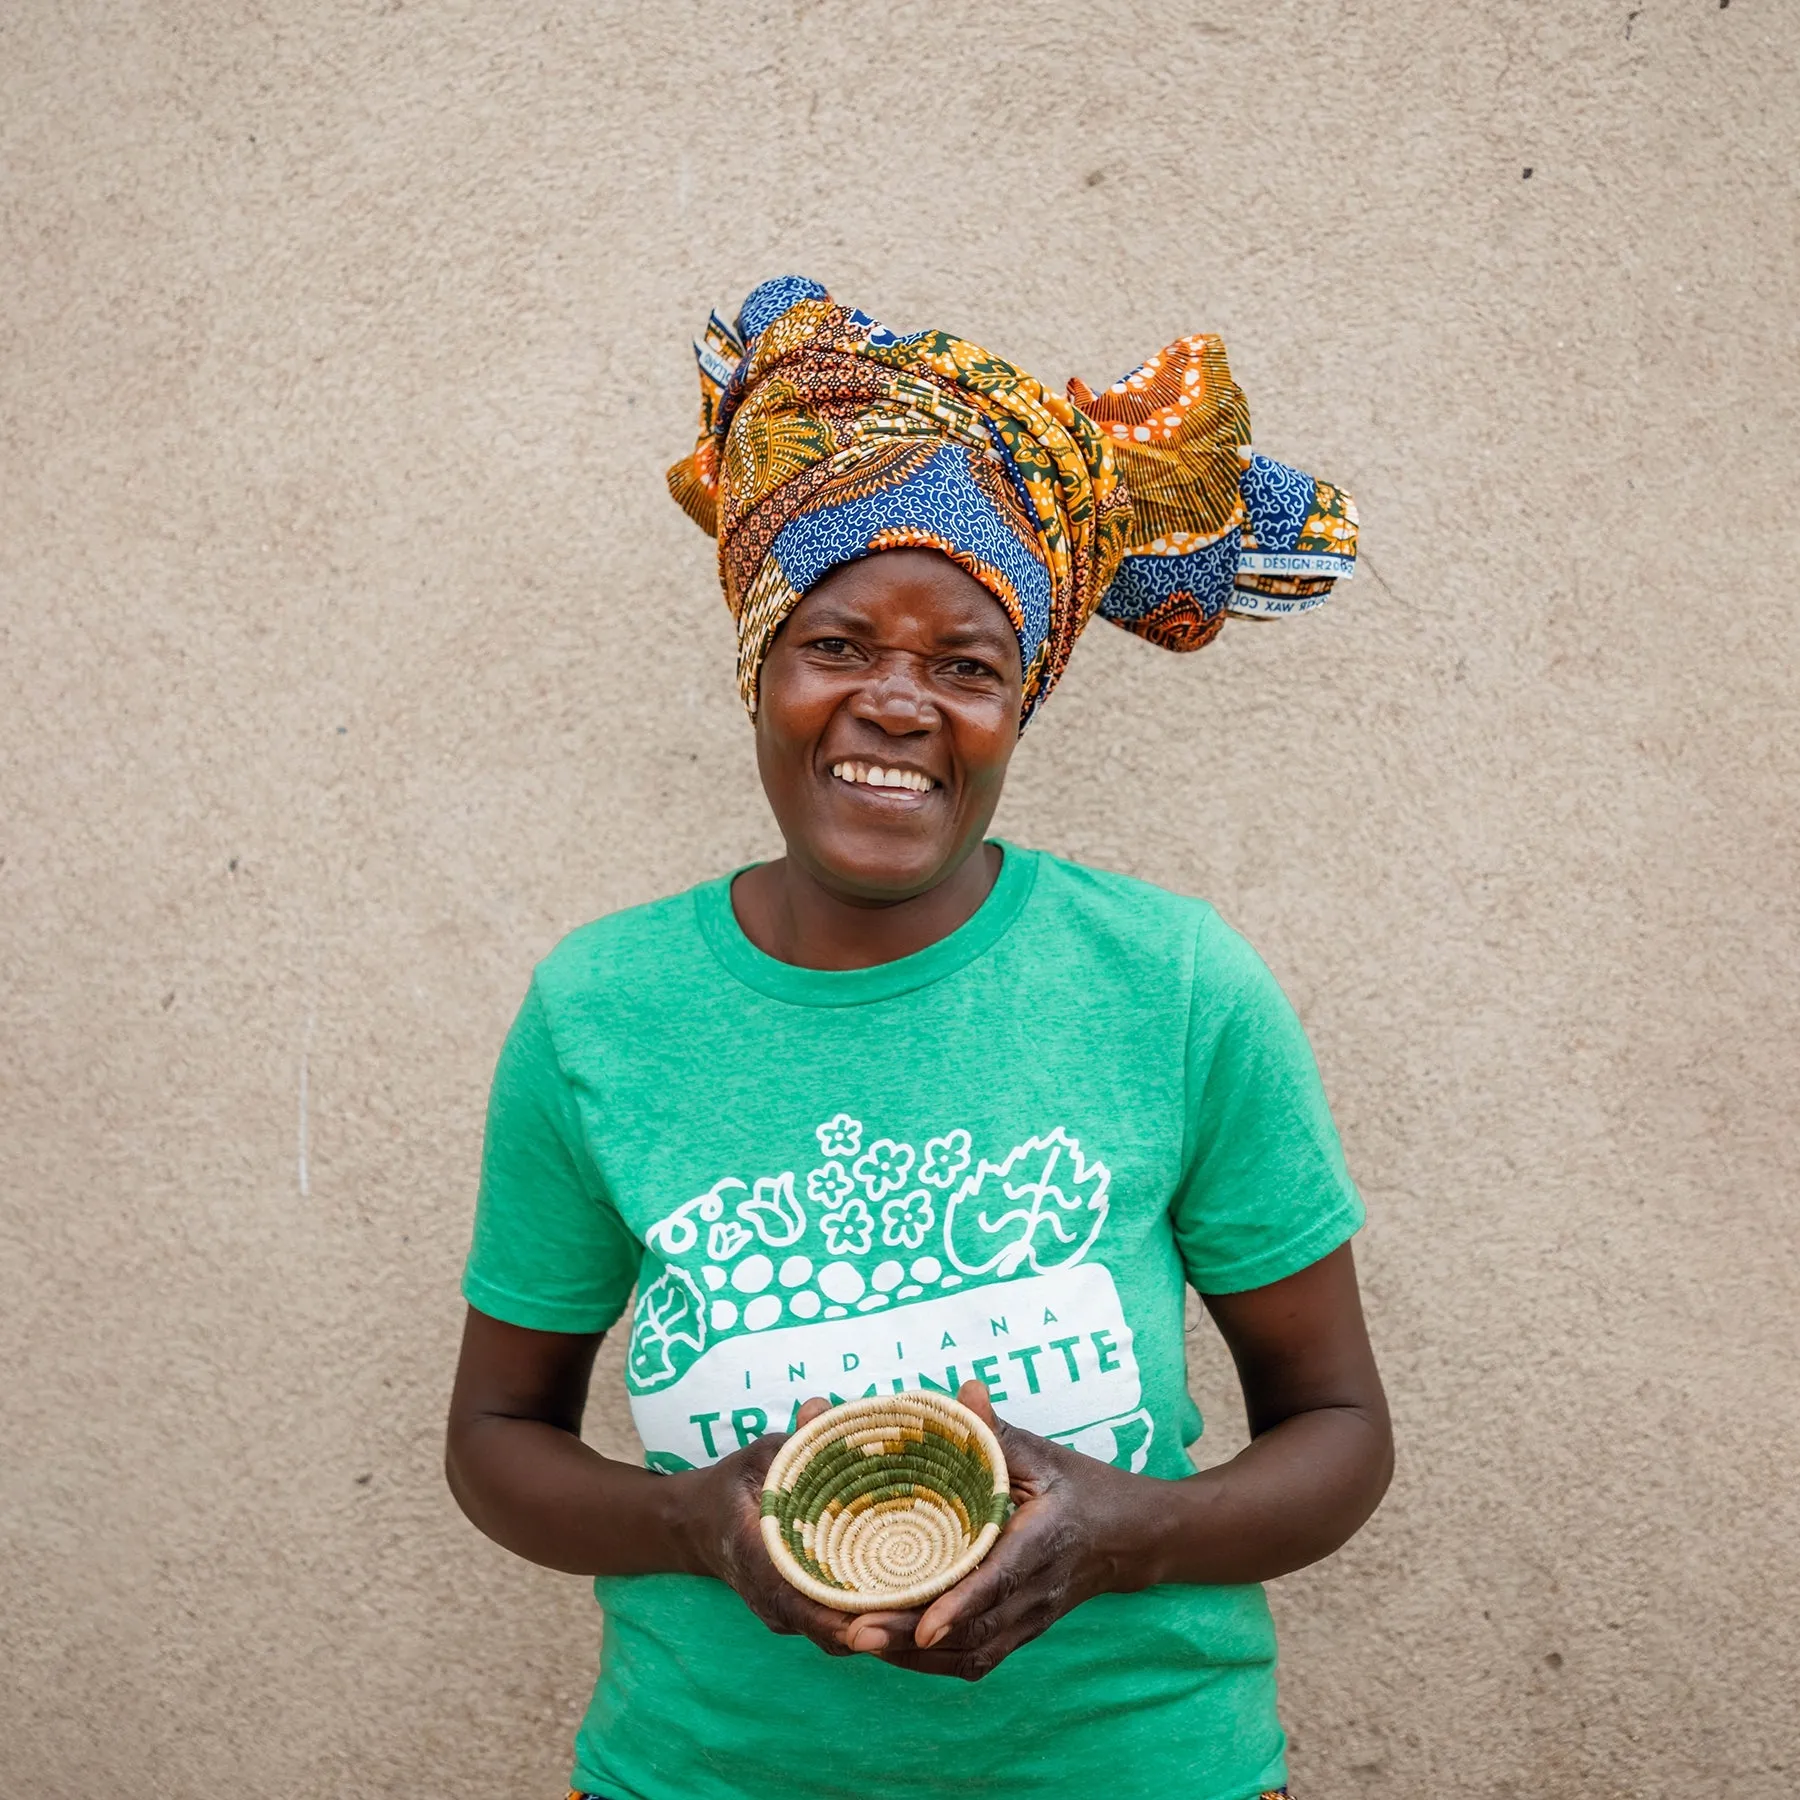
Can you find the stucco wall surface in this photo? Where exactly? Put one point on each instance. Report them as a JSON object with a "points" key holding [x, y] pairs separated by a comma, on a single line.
{"points": [[353, 652]]}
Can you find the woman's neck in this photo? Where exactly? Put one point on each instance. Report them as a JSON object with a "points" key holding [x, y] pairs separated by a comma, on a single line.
{"points": [[792, 916]]}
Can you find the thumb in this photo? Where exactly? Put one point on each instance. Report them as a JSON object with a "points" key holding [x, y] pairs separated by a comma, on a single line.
{"points": [[974, 1395], [1023, 1450]]}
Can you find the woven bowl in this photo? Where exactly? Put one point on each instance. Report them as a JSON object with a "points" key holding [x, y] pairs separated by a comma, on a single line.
{"points": [[883, 1503]]}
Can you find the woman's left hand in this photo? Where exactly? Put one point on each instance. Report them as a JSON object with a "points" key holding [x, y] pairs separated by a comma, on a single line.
{"points": [[1317, 1464], [1075, 1534]]}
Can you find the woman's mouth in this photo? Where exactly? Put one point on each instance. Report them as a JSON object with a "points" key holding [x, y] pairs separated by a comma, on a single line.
{"points": [[878, 775]]}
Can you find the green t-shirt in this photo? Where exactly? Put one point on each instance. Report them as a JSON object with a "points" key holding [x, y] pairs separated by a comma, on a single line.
{"points": [[1001, 1158]]}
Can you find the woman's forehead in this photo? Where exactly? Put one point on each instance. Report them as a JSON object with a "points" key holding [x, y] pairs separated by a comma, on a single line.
{"points": [[922, 586]]}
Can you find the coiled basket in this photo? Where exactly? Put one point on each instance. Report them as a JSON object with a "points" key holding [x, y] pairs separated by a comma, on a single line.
{"points": [[883, 1503]]}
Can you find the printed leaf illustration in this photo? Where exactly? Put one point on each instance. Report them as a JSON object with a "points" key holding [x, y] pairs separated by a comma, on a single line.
{"points": [[778, 1216], [677, 1234], [1038, 1210], [669, 1329], [726, 1239]]}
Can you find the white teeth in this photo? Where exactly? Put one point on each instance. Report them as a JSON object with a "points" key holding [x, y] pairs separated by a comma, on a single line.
{"points": [[873, 775]]}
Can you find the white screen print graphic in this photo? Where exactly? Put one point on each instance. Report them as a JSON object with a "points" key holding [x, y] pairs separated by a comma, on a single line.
{"points": [[882, 1269]]}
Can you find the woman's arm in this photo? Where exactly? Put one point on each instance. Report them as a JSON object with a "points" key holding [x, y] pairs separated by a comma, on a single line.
{"points": [[1317, 1465], [515, 1462], [1321, 1448], [1316, 1468]]}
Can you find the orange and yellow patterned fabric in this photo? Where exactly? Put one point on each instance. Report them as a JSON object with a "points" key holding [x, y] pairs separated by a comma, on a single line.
{"points": [[825, 437]]}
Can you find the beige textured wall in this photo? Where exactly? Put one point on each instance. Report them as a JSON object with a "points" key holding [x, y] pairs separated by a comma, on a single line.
{"points": [[352, 654]]}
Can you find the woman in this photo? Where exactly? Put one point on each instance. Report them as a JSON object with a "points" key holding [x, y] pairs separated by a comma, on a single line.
{"points": [[910, 1107]]}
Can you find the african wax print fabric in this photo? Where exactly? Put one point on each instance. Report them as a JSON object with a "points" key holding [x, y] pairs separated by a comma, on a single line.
{"points": [[825, 437]]}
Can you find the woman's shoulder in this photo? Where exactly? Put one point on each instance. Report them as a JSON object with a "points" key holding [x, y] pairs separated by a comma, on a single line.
{"points": [[1161, 923], [1075, 889], [635, 947]]}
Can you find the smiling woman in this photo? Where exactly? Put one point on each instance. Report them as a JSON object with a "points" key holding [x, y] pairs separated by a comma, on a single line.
{"points": [[890, 709], [907, 1108]]}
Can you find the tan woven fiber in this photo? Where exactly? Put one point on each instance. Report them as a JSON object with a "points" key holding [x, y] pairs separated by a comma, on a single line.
{"points": [[883, 1503]]}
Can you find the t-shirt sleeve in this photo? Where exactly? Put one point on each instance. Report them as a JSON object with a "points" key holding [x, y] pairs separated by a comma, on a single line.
{"points": [[1264, 1190], [550, 1251]]}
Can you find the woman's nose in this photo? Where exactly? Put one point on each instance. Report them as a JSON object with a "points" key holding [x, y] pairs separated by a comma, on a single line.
{"points": [[896, 698]]}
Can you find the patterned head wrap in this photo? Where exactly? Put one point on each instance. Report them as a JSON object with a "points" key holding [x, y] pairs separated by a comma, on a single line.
{"points": [[825, 437]]}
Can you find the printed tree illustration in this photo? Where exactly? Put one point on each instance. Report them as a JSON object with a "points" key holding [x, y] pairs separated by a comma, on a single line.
{"points": [[670, 1314], [1040, 1209]]}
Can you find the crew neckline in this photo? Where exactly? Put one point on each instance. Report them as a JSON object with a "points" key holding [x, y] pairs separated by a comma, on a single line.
{"points": [[881, 981]]}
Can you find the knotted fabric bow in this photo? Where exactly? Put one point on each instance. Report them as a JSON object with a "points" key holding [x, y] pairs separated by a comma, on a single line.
{"points": [[825, 437]]}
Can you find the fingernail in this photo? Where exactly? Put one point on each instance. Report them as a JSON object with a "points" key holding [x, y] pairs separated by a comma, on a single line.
{"points": [[934, 1637], [869, 1641]]}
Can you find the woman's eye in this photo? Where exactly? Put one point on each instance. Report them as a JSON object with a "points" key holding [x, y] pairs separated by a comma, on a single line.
{"points": [[832, 646], [967, 668]]}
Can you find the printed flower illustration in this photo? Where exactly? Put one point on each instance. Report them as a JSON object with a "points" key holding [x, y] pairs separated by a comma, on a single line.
{"points": [[883, 1167], [725, 1240], [904, 1223], [945, 1158], [779, 1218], [849, 1230], [830, 1185], [841, 1136]]}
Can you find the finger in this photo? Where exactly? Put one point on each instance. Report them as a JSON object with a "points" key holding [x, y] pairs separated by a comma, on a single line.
{"points": [[1019, 1563], [827, 1627], [782, 1606], [962, 1613], [811, 1409], [754, 1466], [870, 1633], [1023, 1618], [1022, 1448], [974, 1395]]}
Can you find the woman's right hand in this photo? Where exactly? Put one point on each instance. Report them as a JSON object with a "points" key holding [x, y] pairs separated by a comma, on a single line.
{"points": [[724, 1526], [518, 1468]]}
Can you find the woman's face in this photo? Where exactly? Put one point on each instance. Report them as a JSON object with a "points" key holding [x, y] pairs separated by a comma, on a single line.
{"points": [[898, 666]]}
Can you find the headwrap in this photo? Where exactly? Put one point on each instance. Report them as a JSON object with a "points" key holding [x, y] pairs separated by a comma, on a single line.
{"points": [[824, 437]]}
